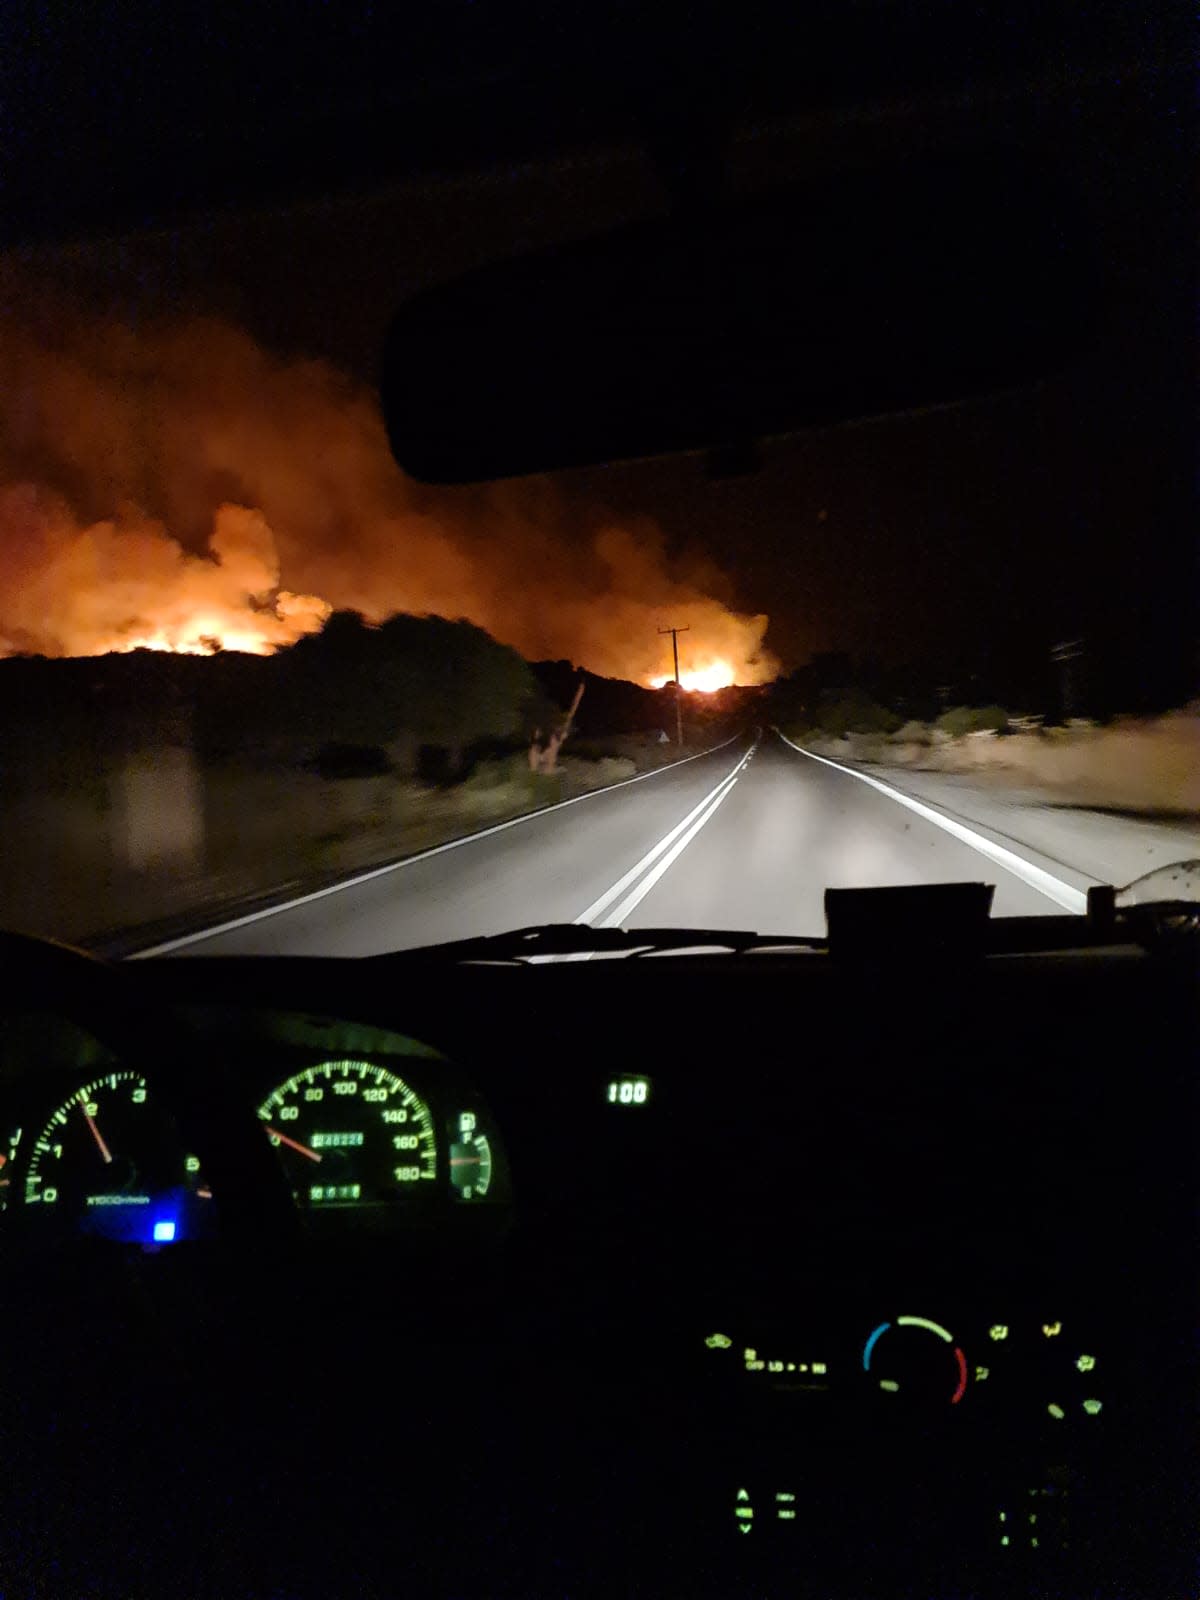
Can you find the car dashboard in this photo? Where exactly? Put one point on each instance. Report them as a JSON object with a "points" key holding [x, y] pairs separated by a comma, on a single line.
{"points": [[670, 1276]]}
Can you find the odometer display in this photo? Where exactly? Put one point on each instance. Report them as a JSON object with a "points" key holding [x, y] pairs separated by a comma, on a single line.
{"points": [[351, 1133]]}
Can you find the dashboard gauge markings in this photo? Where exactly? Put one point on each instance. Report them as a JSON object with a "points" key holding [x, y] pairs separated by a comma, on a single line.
{"points": [[110, 1161], [356, 1118]]}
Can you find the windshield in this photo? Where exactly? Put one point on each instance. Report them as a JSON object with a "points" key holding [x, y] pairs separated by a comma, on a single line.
{"points": [[262, 692]]}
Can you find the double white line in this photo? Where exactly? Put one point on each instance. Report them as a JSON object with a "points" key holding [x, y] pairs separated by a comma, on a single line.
{"points": [[645, 873]]}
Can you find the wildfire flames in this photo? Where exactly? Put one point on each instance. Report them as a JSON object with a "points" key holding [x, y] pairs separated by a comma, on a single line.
{"points": [[180, 488], [704, 680]]}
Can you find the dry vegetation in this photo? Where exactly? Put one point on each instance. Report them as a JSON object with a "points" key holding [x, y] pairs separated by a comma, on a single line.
{"points": [[1145, 765], [166, 836]]}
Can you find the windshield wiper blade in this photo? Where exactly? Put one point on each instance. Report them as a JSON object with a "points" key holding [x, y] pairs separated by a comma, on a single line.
{"points": [[577, 939]]}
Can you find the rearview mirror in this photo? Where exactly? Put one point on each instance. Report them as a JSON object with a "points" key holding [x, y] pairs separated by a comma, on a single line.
{"points": [[876, 293]]}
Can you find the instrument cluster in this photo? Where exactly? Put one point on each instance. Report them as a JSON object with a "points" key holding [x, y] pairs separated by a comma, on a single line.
{"points": [[370, 1130]]}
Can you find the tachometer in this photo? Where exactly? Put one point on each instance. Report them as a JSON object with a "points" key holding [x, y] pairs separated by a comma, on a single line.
{"points": [[351, 1133], [110, 1161]]}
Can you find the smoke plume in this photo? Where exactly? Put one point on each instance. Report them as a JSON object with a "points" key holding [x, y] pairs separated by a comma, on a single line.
{"points": [[176, 485]]}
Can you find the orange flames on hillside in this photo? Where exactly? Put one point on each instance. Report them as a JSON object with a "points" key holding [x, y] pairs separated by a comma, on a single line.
{"points": [[706, 679], [125, 584], [180, 488]]}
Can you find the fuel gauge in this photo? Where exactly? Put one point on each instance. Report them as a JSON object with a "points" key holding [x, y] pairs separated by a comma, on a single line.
{"points": [[470, 1158]]}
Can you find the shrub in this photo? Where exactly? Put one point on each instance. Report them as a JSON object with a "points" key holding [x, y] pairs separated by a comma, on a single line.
{"points": [[851, 711], [912, 733], [350, 761], [496, 773], [436, 763], [960, 720]]}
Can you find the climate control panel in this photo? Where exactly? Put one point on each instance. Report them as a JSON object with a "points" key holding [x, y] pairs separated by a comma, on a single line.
{"points": [[977, 1441], [1043, 1371]]}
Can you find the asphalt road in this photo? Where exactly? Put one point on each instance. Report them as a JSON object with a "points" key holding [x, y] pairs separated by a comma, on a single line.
{"points": [[746, 836]]}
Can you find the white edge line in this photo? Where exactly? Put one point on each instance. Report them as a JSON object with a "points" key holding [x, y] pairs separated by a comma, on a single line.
{"points": [[407, 861], [632, 901], [606, 899], [1063, 894]]}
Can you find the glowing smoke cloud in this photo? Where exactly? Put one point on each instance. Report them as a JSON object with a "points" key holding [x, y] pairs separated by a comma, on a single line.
{"points": [[180, 487]]}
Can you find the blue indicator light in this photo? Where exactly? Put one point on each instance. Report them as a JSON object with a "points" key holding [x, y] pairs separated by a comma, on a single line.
{"points": [[164, 1232], [871, 1343]]}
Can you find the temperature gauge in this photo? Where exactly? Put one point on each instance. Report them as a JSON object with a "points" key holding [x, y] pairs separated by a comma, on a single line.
{"points": [[470, 1158], [911, 1366]]}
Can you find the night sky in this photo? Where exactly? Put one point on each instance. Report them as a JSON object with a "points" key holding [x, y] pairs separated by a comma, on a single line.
{"points": [[969, 539]]}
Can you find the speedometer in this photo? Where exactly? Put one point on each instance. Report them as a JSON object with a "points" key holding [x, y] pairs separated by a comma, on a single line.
{"points": [[351, 1133]]}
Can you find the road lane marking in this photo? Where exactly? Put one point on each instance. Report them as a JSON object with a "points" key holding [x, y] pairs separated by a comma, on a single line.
{"points": [[1063, 894], [653, 853], [671, 843], [407, 861], [616, 918]]}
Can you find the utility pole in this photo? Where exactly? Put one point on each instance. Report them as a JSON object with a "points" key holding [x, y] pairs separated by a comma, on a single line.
{"points": [[675, 632], [1066, 654]]}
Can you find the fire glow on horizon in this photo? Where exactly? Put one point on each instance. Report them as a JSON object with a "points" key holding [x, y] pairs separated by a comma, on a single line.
{"points": [[177, 487], [707, 679]]}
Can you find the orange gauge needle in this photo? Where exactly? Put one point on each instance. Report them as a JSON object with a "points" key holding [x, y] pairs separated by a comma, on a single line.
{"points": [[292, 1144], [96, 1134], [465, 1161]]}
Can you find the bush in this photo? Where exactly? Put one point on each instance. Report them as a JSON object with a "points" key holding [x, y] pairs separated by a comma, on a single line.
{"points": [[447, 684], [437, 763], [851, 711], [350, 761], [960, 720], [498, 773]]}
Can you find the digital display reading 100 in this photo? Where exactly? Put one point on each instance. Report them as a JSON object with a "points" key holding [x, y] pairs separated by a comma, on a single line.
{"points": [[351, 1133], [628, 1091]]}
